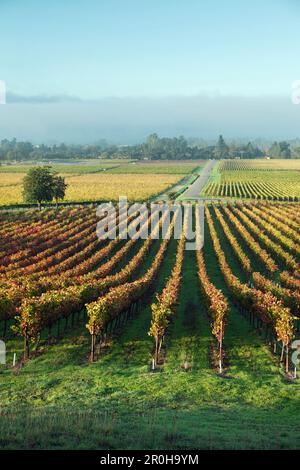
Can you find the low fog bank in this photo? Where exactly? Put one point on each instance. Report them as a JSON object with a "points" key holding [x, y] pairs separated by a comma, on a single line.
{"points": [[52, 119]]}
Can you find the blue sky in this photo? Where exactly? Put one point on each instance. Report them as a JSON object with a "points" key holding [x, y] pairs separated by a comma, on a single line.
{"points": [[97, 50]]}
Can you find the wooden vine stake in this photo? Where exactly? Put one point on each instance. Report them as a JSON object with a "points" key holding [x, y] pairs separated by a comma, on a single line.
{"points": [[26, 346], [93, 337], [221, 348]]}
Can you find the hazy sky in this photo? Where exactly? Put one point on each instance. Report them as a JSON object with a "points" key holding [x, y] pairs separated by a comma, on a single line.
{"points": [[83, 70]]}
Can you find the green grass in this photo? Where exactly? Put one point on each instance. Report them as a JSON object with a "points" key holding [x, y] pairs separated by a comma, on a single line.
{"points": [[76, 169], [190, 334], [59, 400], [111, 166], [161, 168]]}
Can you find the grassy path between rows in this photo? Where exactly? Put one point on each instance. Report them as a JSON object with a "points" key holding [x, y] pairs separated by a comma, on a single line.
{"points": [[190, 334]]}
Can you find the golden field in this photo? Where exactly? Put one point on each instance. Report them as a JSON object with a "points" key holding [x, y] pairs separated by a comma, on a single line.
{"points": [[11, 188], [111, 186], [97, 186]]}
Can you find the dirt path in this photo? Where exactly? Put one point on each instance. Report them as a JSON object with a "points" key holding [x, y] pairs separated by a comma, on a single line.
{"points": [[193, 192]]}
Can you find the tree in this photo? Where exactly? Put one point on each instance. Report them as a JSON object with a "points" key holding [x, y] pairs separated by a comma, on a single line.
{"points": [[151, 147], [59, 188], [285, 150], [221, 149], [296, 151], [280, 150], [244, 151], [38, 185]]}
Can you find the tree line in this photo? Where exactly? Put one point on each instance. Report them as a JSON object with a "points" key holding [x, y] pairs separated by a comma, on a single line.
{"points": [[14, 151], [154, 148]]}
